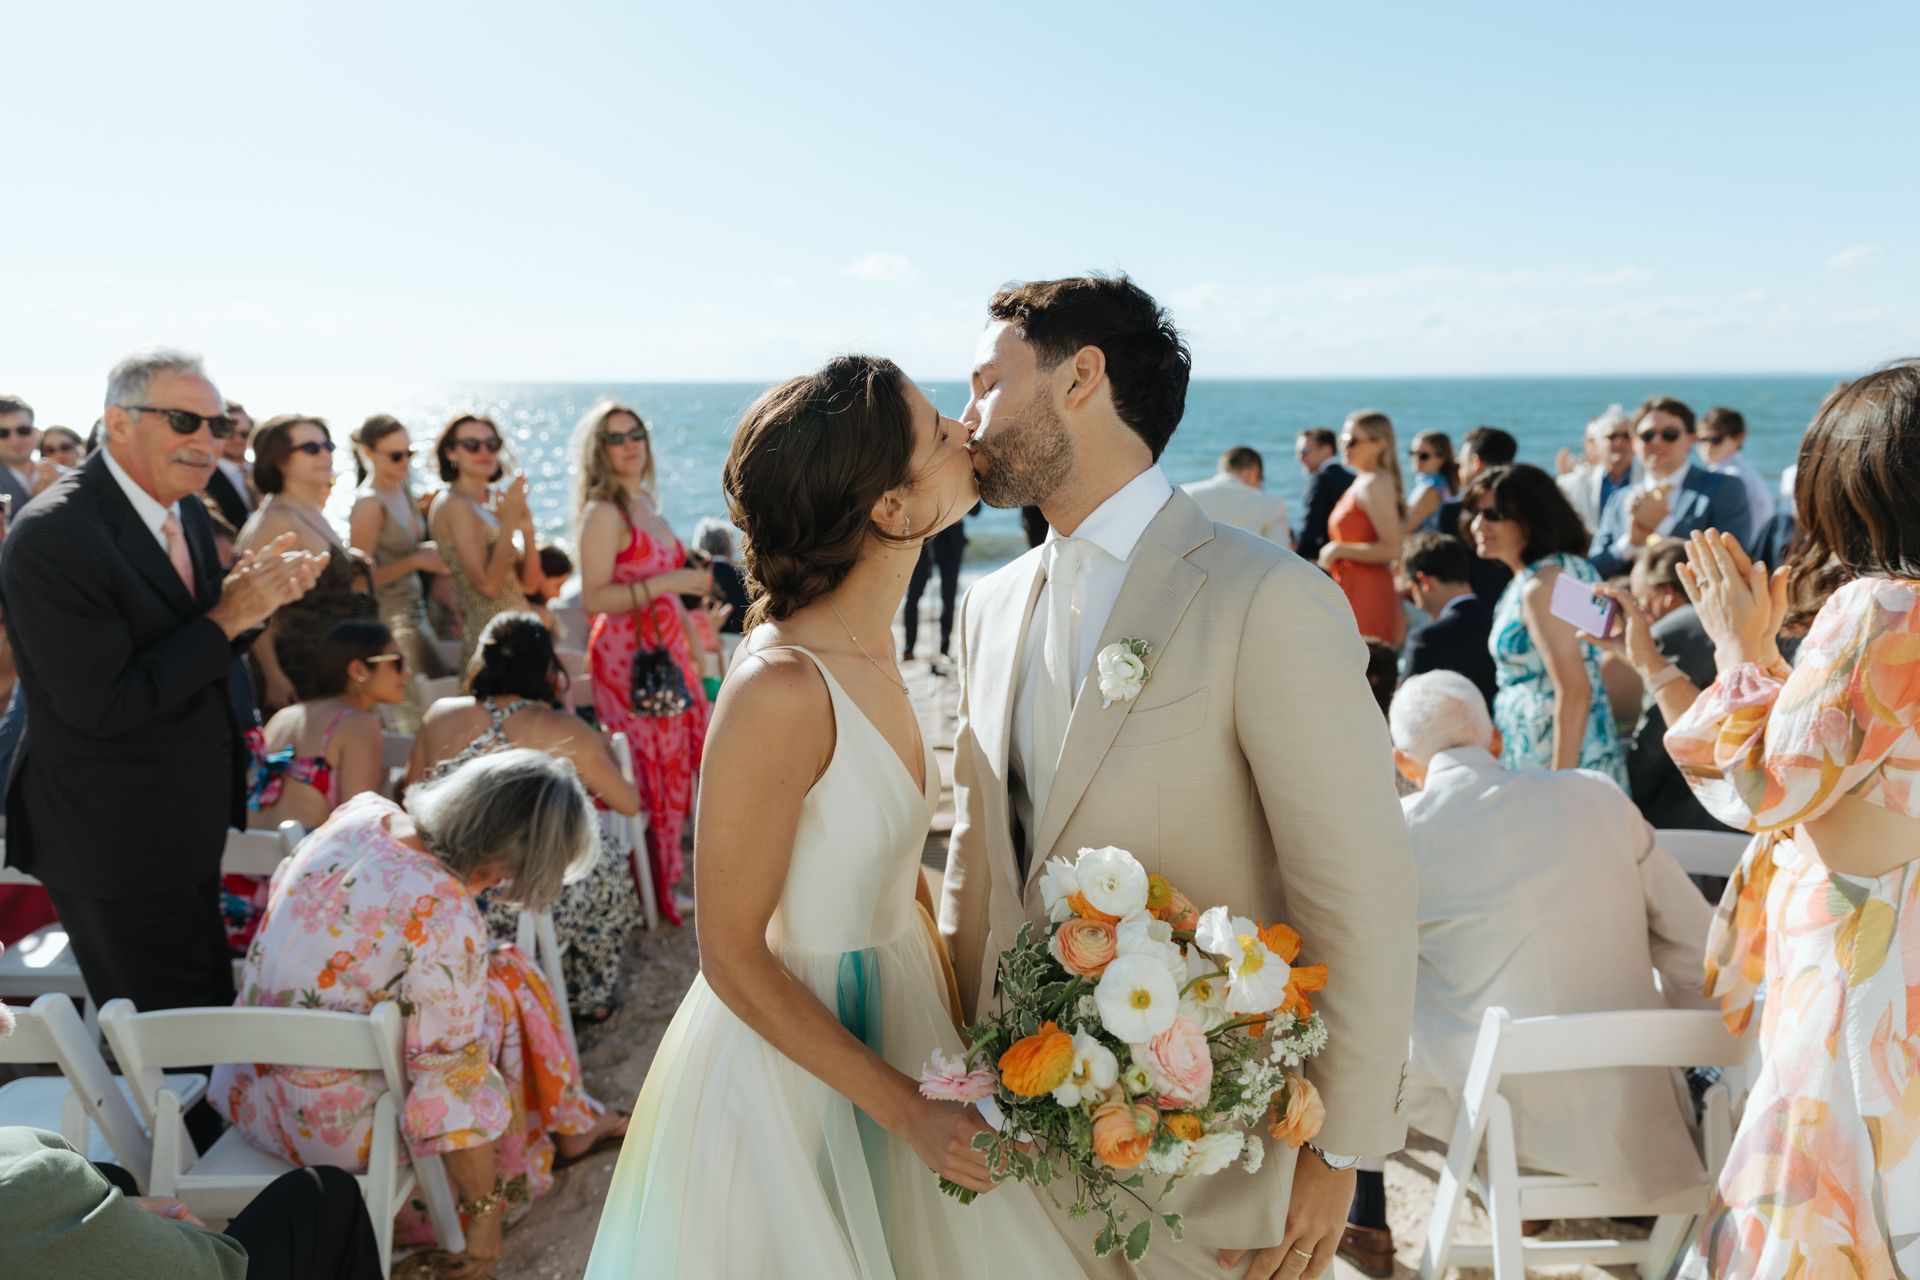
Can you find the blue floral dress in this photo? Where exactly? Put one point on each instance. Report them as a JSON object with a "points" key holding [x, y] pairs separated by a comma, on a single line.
{"points": [[1523, 705]]}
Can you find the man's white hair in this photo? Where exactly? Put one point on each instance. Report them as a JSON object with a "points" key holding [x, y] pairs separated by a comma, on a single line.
{"points": [[1601, 427], [127, 384], [1437, 712]]}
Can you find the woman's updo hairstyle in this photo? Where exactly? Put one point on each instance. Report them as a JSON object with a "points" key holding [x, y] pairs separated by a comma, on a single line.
{"points": [[368, 434], [515, 659], [810, 459]]}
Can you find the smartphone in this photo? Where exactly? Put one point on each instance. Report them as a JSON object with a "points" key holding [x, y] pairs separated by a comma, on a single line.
{"points": [[1574, 601]]}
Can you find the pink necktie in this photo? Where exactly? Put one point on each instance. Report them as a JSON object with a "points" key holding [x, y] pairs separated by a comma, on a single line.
{"points": [[177, 551]]}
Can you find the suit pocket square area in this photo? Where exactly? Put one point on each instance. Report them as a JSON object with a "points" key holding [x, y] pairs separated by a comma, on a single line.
{"points": [[1175, 719]]}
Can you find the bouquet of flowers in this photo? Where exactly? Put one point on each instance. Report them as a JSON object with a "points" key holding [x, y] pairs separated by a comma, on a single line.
{"points": [[1136, 1036]]}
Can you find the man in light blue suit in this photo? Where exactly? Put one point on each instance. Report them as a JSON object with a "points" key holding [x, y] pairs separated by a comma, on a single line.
{"points": [[1674, 498]]}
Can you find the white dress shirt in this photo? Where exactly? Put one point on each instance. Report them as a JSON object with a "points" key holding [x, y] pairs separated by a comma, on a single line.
{"points": [[145, 505], [1114, 531], [1672, 485], [237, 473], [1227, 499], [1760, 502]]}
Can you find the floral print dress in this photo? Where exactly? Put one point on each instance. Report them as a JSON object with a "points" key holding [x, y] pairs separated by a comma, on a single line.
{"points": [[1824, 1176], [355, 918], [1523, 705]]}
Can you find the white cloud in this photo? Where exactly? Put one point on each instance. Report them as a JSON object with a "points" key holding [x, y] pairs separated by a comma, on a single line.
{"points": [[1857, 255], [881, 268], [783, 282]]}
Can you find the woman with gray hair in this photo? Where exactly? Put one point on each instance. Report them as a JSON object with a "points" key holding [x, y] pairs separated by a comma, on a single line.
{"points": [[378, 904]]}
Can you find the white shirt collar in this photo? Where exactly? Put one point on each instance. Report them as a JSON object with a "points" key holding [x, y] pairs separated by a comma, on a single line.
{"points": [[1117, 524], [1331, 459], [145, 505], [1673, 481]]}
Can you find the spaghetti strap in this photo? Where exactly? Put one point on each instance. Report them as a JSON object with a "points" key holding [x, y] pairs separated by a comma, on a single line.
{"points": [[326, 739]]}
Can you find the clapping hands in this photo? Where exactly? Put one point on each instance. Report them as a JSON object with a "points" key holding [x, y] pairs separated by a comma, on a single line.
{"points": [[262, 580], [1741, 605]]}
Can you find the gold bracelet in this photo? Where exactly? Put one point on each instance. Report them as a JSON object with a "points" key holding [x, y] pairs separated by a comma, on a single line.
{"points": [[486, 1204]]}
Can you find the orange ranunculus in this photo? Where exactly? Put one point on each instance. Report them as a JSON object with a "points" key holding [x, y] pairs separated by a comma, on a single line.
{"points": [[1086, 910], [1085, 947], [1182, 914], [1038, 1063], [1183, 1124], [1122, 1132], [1298, 1112]]}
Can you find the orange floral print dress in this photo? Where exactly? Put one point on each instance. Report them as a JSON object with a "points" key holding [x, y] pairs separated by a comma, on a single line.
{"points": [[354, 918], [1824, 1176]]}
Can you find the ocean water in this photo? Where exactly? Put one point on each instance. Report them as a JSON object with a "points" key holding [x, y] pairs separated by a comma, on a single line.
{"points": [[693, 423]]}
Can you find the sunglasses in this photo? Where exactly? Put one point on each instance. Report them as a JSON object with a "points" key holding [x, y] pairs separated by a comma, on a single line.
{"points": [[1421, 455], [22, 432], [1619, 435], [399, 662], [396, 455], [67, 447], [636, 436], [186, 423], [314, 448], [490, 445], [1669, 434], [1711, 440], [1491, 516]]}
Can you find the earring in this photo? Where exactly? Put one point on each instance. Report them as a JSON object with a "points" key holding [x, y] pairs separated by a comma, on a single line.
{"points": [[906, 528]]}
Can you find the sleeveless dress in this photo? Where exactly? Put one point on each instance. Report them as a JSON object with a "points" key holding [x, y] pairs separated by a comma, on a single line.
{"points": [[666, 749], [403, 601], [1423, 480], [1369, 587], [476, 608], [1524, 702], [594, 914], [738, 1161], [243, 899]]}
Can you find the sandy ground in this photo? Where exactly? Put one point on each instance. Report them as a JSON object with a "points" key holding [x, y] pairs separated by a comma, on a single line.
{"points": [[555, 1239]]}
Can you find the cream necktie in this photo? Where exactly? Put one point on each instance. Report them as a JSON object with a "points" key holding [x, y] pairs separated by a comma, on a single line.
{"points": [[177, 552], [1053, 705]]}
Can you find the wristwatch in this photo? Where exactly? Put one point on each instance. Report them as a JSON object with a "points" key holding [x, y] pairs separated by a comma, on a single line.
{"points": [[1333, 1162]]}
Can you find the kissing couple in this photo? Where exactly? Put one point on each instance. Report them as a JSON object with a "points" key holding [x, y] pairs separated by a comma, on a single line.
{"points": [[781, 1130]]}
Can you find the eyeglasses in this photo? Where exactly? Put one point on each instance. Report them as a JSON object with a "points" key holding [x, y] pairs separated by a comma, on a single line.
{"points": [[314, 448], [490, 445], [22, 432], [186, 422], [399, 661], [636, 436], [1490, 515], [1669, 434]]}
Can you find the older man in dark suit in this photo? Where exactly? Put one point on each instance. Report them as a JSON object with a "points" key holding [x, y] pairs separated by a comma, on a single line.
{"points": [[133, 764]]}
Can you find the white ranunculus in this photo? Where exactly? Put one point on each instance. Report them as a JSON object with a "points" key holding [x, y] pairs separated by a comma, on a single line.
{"points": [[1112, 880], [1213, 1152], [1137, 999], [1255, 1156], [1204, 994], [1171, 1162], [1136, 1080], [1094, 1071], [1122, 673], [1058, 882], [1256, 977]]}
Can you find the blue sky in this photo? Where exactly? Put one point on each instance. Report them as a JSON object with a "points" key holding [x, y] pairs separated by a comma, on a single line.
{"points": [[637, 192]]}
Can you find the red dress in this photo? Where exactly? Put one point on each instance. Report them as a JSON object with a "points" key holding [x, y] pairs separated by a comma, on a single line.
{"points": [[1369, 587], [666, 749]]}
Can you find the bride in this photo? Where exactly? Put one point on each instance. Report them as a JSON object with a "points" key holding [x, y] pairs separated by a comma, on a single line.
{"points": [[780, 1131]]}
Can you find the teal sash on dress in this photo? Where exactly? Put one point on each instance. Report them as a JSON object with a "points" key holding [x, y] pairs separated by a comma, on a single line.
{"points": [[858, 997]]}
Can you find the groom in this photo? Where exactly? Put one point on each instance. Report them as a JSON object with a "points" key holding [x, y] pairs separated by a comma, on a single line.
{"points": [[1252, 770]]}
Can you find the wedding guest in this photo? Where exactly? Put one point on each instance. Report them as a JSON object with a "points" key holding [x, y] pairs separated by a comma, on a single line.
{"points": [[21, 477], [1436, 478], [515, 683], [715, 537], [1365, 527], [1481, 449], [944, 550], [1613, 468], [1551, 705], [60, 446], [1674, 498], [1817, 759], [632, 573], [386, 526], [293, 468], [475, 528], [378, 904], [325, 750], [1433, 573], [230, 486], [1723, 438], [1237, 495], [1316, 450], [128, 643], [1499, 926], [1383, 673]]}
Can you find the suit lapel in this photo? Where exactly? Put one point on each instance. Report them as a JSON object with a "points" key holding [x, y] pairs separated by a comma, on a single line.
{"points": [[993, 676], [1160, 584], [135, 541]]}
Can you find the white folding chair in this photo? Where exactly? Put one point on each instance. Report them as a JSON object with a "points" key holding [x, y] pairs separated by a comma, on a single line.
{"points": [[428, 690], [540, 943], [41, 963], [635, 831], [219, 1183], [1575, 1042], [259, 853], [86, 1103], [396, 753], [1704, 853]]}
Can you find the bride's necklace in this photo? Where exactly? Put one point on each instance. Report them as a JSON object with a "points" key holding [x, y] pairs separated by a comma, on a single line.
{"points": [[863, 652]]}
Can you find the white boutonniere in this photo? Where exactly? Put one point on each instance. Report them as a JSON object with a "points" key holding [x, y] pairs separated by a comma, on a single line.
{"points": [[1123, 670]]}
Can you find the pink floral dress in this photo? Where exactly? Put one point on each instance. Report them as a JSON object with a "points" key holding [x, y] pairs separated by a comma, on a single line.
{"points": [[1824, 1176], [355, 918], [666, 749]]}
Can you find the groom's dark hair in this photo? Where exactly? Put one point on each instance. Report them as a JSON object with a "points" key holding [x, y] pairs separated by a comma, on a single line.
{"points": [[1147, 360]]}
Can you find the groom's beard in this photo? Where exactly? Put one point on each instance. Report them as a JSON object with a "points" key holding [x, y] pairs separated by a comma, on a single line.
{"points": [[1027, 459]]}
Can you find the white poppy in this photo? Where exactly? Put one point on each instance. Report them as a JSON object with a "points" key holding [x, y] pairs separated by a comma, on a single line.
{"points": [[1112, 880], [1204, 994], [1137, 999], [1094, 1071], [1213, 1152], [1256, 977], [1058, 882]]}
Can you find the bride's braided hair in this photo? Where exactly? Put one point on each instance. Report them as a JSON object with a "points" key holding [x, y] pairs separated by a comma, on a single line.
{"points": [[808, 462]]}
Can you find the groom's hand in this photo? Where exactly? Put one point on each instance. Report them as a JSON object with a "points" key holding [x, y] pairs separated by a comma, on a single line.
{"points": [[1316, 1219]]}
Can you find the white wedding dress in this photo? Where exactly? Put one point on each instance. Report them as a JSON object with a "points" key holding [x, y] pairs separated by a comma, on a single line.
{"points": [[738, 1162]]}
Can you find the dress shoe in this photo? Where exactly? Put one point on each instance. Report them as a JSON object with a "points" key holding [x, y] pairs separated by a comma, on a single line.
{"points": [[1368, 1248]]}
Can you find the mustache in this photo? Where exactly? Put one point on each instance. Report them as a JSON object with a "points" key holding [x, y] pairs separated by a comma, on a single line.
{"points": [[192, 458]]}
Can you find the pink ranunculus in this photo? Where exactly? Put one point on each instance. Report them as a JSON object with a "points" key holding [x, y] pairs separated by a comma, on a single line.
{"points": [[1178, 1063], [947, 1079]]}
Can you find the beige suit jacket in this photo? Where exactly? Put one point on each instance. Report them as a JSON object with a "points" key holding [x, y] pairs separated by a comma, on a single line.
{"points": [[1253, 771]]}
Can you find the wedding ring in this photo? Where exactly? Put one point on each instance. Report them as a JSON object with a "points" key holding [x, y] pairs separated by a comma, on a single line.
{"points": [[1304, 1254]]}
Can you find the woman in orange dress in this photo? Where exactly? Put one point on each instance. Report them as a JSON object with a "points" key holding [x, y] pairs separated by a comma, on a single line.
{"points": [[1364, 529]]}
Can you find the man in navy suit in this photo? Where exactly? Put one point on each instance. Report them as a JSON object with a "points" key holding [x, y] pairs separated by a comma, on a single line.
{"points": [[1327, 480], [1676, 497], [1433, 572]]}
